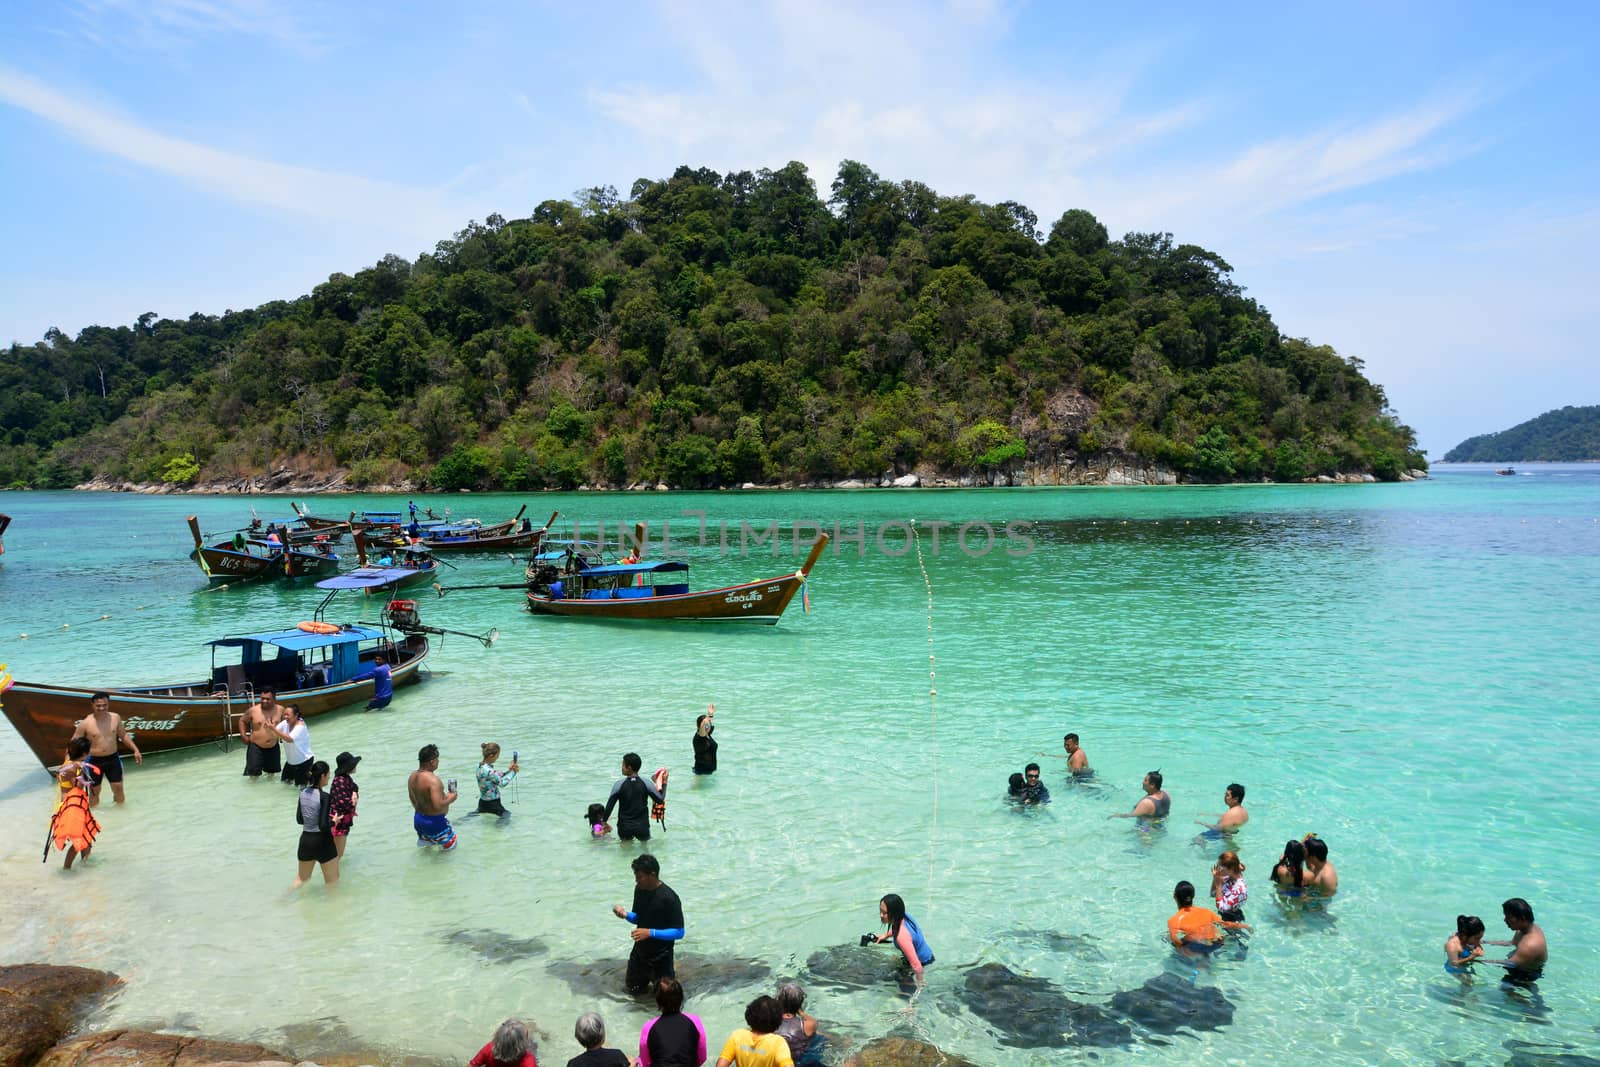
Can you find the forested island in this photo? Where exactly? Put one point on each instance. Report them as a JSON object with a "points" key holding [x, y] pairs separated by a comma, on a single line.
{"points": [[717, 330], [1566, 435]]}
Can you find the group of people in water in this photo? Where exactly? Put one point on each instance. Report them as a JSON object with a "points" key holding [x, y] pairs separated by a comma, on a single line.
{"points": [[1302, 876], [778, 1032]]}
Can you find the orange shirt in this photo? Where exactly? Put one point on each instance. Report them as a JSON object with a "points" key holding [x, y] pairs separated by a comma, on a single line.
{"points": [[1194, 924]]}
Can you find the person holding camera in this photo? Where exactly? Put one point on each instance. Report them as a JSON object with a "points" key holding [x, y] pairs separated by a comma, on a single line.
{"points": [[904, 933], [491, 781], [431, 801], [657, 916], [705, 746]]}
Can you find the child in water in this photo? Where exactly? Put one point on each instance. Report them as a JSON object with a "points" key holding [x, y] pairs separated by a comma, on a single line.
{"points": [[1464, 946], [72, 826], [596, 818]]}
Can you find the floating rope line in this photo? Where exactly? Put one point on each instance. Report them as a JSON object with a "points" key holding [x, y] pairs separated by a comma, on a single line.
{"points": [[933, 711]]}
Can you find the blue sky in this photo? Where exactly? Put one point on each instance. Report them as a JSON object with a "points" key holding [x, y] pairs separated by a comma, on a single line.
{"points": [[1412, 184]]}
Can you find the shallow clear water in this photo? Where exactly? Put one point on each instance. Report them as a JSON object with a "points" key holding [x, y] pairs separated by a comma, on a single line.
{"points": [[1407, 670]]}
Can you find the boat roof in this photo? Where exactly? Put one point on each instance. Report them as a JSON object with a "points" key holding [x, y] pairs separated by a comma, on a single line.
{"points": [[366, 578], [298, 640], [645, 567]]}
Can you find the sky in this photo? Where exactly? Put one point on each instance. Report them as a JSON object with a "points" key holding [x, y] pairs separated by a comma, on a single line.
{"points": [[1413, 184]]}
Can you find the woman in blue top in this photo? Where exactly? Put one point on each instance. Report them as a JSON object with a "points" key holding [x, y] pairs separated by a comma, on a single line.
{"points": [[491, 781], [904, 933]]}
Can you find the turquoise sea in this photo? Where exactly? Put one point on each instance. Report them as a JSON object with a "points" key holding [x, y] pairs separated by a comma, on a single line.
{"points": [[1408, 670]]}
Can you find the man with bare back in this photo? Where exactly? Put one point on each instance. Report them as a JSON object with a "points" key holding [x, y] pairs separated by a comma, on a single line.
{"points": [[103, 728], [431, 801], [258, 729]]}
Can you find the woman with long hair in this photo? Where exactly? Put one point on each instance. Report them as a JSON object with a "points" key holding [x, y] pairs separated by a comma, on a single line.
{"points": [[314, 813], [904, 933], [1289, 875]]}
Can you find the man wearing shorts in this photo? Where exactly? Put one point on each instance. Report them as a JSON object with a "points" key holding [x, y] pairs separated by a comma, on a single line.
{"points": [[258, 730], [431, 802], [103, 728]]}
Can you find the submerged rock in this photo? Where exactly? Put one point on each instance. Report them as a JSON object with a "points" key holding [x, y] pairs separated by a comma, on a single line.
{"points": [[853, 967], [698, 974], [1032, 1012], [904, 1052], [495, 946], [1524, 1054], [40, 1004], [1166, 1004], [137, 1048]]}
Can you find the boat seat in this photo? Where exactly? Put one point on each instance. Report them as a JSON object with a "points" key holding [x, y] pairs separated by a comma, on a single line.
{"points": [[635, 592], [237, 682]]}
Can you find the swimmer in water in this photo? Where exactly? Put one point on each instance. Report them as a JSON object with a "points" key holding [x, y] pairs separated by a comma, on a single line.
{"points": [[1289, 875], [1321, 879], [1228, 888], [1077, 758], [1195, 931], [1465, 946], [1529, 952], [1153, 806], [1231, 819]]}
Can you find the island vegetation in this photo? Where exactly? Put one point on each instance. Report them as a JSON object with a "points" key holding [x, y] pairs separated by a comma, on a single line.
{"points": [[712, 330], [1566, 435]]}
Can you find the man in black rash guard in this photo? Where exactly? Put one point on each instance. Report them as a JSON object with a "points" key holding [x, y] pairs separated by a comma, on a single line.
{"points": [[631, 797], [657, 917]]}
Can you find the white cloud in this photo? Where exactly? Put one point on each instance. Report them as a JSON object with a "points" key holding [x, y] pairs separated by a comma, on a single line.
{"points": [[173, 22], [301, 191]]}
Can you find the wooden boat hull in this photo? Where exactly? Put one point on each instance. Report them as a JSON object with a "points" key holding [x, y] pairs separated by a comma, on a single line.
{"points": [[168, 717], [228, 565], [761, 603], [493, 543]]}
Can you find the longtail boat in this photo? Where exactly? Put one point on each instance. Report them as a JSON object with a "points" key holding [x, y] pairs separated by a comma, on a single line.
{"points": [[519, 535], [571, 584], [321, 523], [297, 530], [313, 665], [244, 559], [401, 569]]}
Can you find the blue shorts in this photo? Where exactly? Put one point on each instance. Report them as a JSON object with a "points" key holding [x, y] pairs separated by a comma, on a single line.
{"points": [[434, 830]]}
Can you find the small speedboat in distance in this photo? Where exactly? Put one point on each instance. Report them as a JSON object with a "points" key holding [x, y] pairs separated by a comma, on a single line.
{"points": [[1505, 470]]}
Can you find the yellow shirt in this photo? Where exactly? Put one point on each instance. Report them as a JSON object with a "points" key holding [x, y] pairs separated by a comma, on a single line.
{"points": [[747, 1050]]}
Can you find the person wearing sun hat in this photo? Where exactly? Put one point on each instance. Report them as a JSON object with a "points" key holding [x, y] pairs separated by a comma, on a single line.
{"points": [[345, 794]]}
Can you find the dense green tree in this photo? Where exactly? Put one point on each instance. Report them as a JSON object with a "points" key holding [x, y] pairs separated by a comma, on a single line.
{"points": [[711, 329]]}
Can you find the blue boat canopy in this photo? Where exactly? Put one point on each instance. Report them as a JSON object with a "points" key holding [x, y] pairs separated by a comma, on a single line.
{"points": [[646, 567], [299, 640], [367, 578]]}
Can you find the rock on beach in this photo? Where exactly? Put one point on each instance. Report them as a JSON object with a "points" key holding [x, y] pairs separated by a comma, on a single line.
{"points": [[40, 1004]]}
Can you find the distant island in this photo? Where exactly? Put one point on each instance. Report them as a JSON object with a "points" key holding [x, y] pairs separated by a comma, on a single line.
{"points": [[712, 330], [1566, 435]]}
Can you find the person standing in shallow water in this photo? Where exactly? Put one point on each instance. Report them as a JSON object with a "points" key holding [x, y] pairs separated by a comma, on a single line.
{"points": [[1529, 954], [492, 781], [104, 730], [430, 801], [1231, 819], [1153, 806], [705, 746], [346, 794], [904, 934], [657, 915], [1321, 879]]}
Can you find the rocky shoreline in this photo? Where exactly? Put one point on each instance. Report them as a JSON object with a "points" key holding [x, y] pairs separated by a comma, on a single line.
{"points": [[41, 1006], [1105, 470]]}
